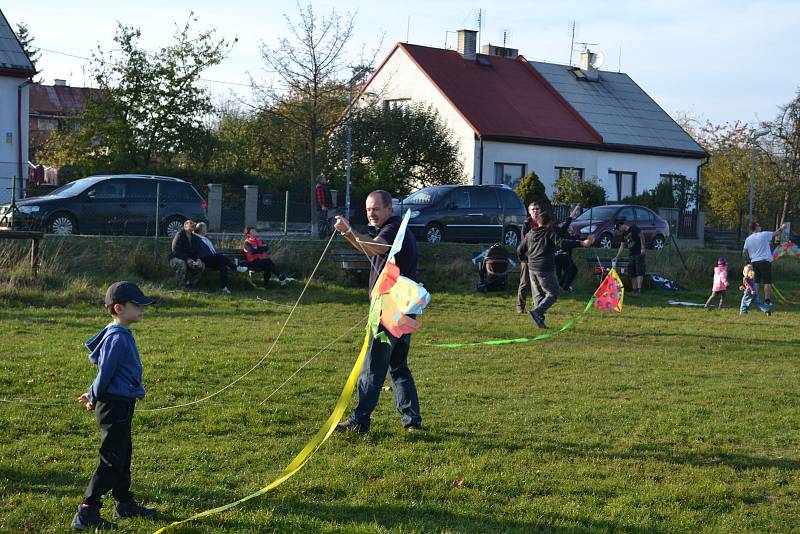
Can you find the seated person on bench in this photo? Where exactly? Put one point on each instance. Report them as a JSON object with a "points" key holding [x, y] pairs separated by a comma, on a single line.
{"points": [[213, 260], [257, 253]]}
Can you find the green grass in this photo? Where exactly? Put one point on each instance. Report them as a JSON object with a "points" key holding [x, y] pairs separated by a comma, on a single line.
{"points": [[661, 419]]}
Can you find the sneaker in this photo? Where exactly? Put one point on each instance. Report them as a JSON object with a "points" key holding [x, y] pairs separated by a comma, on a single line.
{"points": [[742, 313], [413, 428], [538, 319], [226, 290], [88, 517], [769, 313], [123, 510], [242, 269], [520, 310], [347, 426]]}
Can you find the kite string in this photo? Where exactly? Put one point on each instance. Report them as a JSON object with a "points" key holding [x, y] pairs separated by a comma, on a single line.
{"points": [[259, 362]]}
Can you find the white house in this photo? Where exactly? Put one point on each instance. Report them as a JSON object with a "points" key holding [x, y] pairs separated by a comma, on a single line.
{"points": [[512, 116], [16, 71]]}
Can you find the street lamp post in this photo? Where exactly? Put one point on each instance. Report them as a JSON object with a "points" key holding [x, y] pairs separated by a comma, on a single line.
{"points": [[753, 137], [349, 152]]}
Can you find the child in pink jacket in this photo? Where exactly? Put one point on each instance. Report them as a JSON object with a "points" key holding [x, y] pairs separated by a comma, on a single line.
{"points": [[720, 283]]}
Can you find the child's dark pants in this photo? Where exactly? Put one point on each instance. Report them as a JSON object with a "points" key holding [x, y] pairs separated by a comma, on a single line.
{"points": [[113, 473]]}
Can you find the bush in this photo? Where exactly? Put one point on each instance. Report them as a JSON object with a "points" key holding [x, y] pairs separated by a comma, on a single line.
{"points": [[573, 190], [531, 189]]}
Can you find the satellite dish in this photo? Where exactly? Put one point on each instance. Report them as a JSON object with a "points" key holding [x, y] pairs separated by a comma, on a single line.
{"points": [[599, 58]]}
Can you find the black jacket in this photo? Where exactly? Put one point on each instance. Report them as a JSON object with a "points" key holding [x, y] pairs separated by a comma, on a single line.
{"points": [[184, 247], [540, 245]]}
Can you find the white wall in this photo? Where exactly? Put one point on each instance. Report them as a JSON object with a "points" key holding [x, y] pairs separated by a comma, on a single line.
{"points": [[9, 155], [401, 78], [544, 159]]}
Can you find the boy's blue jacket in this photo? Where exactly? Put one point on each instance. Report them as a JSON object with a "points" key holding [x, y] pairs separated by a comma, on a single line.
{"points": [[119, 369]]}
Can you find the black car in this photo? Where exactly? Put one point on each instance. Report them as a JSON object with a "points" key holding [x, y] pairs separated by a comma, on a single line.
{"points": [[482, 213], [118, 204]]}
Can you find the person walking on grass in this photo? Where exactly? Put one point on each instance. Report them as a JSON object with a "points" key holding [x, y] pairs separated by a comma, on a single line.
{"points": [[749, 290], [524, 288], [112, 396], [392, 356], [720, 284], [213, 260], [757, 249], [633, 238], [539, 247], [183, 256]]}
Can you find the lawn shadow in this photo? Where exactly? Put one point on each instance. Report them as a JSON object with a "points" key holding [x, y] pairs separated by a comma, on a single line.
{"points": [[46, 481]]}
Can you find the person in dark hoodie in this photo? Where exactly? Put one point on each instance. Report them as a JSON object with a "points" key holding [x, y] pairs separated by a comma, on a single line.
{"points": [[112, 396], [183, 257], [566, 270], [540, 246]]}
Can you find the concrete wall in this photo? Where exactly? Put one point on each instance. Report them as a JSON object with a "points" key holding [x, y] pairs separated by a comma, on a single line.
{"points": [[9, 145]]}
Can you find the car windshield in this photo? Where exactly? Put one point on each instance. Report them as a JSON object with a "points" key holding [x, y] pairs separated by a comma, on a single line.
{"points": [[424, 197], [72, 188], [599, 213]]}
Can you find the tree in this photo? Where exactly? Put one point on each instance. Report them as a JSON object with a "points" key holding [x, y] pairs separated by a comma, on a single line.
{"points": [[313, 83], [783, 153], [571, 189], [26, 40], [151, 108], [531, 189], [398, 149]]}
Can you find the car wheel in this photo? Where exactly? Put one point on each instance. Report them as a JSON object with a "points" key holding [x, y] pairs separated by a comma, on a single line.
{"points": [[659, 242], [173, 225], [605, 241], [511, 237], [62, 224], [433, 233]]}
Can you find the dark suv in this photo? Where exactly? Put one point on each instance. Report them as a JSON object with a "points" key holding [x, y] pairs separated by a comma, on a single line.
{"points": [[600, 222], [482, 213], [119, 204]]}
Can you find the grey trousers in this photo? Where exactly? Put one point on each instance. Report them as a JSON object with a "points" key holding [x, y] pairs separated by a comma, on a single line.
{"points": [[524, 288], [545, 290]]}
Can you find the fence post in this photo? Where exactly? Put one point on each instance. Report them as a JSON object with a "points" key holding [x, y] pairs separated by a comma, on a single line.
{"points": [[250, 205], [158, 220], [214, 207], [286, 215]]}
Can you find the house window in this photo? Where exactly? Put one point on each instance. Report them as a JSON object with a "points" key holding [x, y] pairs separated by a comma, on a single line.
{"points": [[569, 172], [626, 183], [509, 173], [395, 103], [48, 124]]}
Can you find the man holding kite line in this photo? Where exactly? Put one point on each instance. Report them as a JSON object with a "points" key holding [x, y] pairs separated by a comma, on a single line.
{"points": [[392, 356]]}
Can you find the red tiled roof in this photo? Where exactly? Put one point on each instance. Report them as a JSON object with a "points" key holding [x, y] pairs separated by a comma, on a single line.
{"points": [[59, 100], [503, 98]]}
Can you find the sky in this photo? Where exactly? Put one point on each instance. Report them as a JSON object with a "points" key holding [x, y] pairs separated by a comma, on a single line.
{"points": [[714, 60]]}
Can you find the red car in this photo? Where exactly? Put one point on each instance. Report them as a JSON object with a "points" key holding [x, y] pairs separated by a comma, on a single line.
{"points": [[600, 222]]}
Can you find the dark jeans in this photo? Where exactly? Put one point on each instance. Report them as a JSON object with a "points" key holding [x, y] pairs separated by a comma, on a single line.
{"points": [[265, 265], [545, 290], [524, 288], [115, 417], [218, 262], [566, 270], [380, 358]]}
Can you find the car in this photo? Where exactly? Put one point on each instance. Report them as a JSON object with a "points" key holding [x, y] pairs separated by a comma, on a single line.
{"points": [[111, 204], [477, 213], [601, 221]]}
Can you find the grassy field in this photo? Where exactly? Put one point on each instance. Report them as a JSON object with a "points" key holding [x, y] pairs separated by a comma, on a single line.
{"points": [[661, 419]]}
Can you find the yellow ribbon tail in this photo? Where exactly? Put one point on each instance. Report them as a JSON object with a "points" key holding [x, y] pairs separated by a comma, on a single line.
{"points": [[304, 455]]}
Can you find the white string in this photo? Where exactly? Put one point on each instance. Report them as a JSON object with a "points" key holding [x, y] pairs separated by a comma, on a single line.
{"points": [[259, 362], [326, 347]]}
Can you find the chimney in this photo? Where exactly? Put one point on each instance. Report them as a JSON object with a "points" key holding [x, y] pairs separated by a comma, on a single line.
{"points": [[500, 51], [467, 43], [59, 82], [588, 70]]}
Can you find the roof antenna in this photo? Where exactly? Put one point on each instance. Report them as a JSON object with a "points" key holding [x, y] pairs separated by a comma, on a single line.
{"points": [[408, 28], [480, 26], [619, 60], [572, 44]]}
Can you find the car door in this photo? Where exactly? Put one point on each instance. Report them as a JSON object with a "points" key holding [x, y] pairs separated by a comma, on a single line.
{"points": [[629, 214], [485, 215], [455, 216], [105, 209], [140, 195], [647, 223]]}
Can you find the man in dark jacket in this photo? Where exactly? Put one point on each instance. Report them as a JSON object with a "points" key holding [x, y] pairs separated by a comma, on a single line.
{"points": [[539, 247], [183, 257], [524, 288]]}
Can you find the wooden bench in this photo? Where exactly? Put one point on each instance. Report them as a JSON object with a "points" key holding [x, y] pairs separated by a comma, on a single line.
{"points": [[232, 253], [35, 238], [351, 260]]}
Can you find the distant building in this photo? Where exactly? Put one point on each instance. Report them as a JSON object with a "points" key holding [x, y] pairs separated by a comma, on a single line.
{"points": [[511, 116], [16, 71]]}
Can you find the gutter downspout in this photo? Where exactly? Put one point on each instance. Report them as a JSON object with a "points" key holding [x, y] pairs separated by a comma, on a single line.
{"points": [[480, 169], [20, 87]]}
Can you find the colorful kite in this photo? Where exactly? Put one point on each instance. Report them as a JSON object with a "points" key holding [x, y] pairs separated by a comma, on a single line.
{"points": [[392, 299], [786, 248], [610, 294]]}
